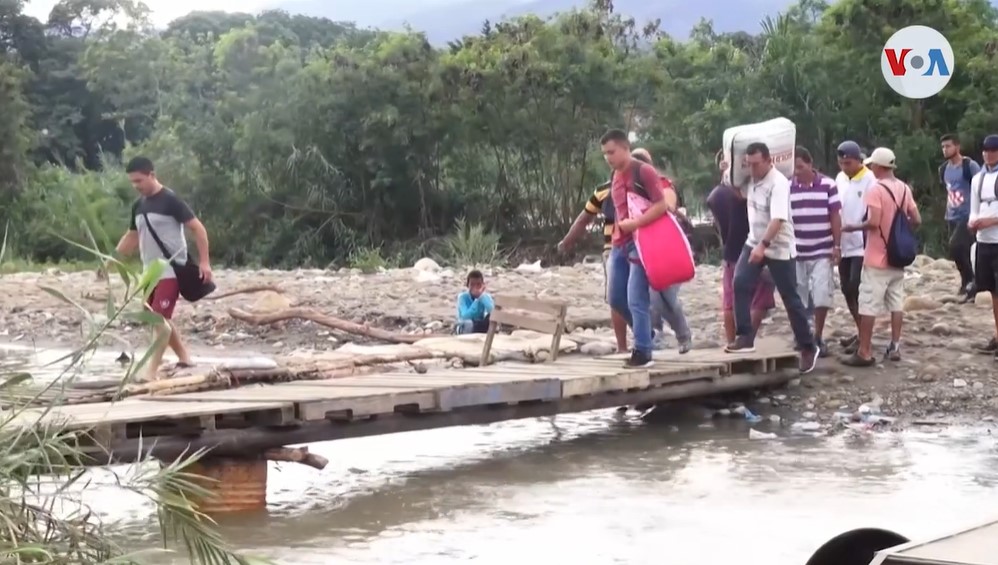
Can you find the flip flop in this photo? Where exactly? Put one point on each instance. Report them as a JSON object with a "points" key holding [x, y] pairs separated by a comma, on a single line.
{"points": [[182, 365]]}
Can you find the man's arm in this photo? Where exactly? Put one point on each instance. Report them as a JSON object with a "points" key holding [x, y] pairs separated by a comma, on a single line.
{"points": [[183, 214], [835, 214], [653, 186], [128, 243], [873, 209], [779, 209], [586, 216], [914, 216]]}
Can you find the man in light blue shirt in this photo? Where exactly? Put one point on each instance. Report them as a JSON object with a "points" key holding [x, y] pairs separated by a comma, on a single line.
{"points": [[474, 306]]}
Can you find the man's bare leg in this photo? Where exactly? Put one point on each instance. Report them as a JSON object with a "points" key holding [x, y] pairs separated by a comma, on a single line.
{"points": [[619, 330], [178, 347], [160, 341], [729, 325], [820, 315], [866, 336]]}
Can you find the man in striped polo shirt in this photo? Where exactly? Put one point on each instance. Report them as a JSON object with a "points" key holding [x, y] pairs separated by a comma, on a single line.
{"points": [[814, 208]]}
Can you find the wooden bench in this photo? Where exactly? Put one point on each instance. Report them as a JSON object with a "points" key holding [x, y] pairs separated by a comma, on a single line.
{"points": [[539, 315]]}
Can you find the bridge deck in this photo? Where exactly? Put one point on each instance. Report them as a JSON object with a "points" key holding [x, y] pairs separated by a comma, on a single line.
{"points": [[420, 401]]}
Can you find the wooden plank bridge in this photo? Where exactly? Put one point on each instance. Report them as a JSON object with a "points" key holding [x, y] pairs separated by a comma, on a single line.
{"points": [[253, 418]]}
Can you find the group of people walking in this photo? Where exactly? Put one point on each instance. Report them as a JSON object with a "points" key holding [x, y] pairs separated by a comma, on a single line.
{"points": [[791, 235]]}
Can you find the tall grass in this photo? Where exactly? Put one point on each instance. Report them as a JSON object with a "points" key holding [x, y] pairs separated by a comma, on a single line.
{"points": [[43, 520], [471, 245]]}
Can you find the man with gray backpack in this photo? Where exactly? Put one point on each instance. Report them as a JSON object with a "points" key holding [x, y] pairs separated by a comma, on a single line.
{"points": [[956, 173]]}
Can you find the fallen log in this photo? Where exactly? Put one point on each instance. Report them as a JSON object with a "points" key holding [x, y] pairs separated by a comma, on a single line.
{"points": [[245, 290], [325, 320], [296, 455], [223, 378]]}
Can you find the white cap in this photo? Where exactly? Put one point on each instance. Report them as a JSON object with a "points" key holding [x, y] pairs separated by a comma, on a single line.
{"points": [[882, 157]]}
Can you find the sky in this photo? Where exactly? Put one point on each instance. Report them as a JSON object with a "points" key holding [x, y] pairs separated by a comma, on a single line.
{"points": [[163, 11]]}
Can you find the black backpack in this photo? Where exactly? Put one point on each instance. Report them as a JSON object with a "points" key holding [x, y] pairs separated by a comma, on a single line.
{"points": [[902, 243], [968, 174]]}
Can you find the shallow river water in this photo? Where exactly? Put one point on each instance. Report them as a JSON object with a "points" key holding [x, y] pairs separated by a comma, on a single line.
{"points": [[587, 488]]}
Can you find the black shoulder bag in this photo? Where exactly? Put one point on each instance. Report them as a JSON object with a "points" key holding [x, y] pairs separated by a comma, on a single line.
{"points": [[192, 287]]}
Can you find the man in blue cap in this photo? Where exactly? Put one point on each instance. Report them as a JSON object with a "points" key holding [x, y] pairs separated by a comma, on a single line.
{"points": [[852, 183], [984, 221]]}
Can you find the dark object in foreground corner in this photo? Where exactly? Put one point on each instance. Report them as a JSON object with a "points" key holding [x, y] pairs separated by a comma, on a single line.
{"points": [[855, 547], [872, 546]]}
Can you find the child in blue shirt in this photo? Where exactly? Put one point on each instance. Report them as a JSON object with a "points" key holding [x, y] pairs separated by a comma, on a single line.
{"points": [[474, 306]]}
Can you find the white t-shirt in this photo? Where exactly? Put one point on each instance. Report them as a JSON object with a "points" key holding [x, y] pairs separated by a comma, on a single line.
{"points": [[769, 199], [851, 192], [984, 202]]}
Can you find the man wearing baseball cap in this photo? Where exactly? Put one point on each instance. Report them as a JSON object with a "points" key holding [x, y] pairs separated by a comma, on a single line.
{"points": [[984, 220], [853, 182], [881, 288]]}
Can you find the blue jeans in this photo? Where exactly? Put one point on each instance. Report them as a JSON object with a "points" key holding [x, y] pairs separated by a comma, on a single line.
{"points": [[629, 294], [784, 275], [668, 308]]}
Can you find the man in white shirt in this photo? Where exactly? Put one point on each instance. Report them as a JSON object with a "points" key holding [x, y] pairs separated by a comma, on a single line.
{"points": [[852, 183], [771, 244], [984, 220]]}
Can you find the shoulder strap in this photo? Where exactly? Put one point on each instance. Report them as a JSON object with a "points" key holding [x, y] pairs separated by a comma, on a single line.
{"points": [[639, 187], [159, 242], [942, 173], [968, 174]]}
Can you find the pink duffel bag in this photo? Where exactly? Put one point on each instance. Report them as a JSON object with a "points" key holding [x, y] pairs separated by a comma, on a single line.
{"points": [[662, 247]]}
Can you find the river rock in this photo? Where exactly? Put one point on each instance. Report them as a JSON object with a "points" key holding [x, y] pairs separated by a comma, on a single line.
{"points": [[426, 264], [269, 301], [597, 348], [920, 303]]}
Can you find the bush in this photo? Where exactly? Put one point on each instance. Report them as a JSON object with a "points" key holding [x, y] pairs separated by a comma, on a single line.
{"points": [[470, 245]]}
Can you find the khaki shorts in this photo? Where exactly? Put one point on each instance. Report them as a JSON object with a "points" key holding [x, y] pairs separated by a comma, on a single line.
{"points": [[606, 277], [881, 291], [814, 277]]}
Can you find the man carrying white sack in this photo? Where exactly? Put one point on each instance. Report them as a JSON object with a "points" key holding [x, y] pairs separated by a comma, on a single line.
{"points": [[771, 244]]}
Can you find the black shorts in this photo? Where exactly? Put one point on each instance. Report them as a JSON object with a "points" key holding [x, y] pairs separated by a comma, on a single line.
{"points": [[986, 267], [850, 269]]}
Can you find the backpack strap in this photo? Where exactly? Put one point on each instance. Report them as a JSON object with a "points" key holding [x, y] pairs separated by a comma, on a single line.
{"points": [[942, 173], [968, 174]]}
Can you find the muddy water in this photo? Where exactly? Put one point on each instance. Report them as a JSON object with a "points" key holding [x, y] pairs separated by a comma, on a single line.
{"points": [[588, 488]]}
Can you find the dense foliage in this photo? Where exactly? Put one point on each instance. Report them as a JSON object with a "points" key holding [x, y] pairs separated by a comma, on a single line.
{"points": [[302, 141]]}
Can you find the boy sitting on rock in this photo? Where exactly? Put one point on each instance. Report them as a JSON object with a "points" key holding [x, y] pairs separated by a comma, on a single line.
{"points": [[474, 306]]}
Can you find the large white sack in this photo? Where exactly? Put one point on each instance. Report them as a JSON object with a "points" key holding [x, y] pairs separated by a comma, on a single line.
{"points": [[779, 134]]}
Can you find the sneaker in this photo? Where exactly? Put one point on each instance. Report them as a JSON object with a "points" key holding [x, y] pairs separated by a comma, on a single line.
{"points": [[638, 359], [893, 351], [742, 344], [808, 359], [855, 360], [989, 348], [658, 342], [822, 349], [685, 346]]}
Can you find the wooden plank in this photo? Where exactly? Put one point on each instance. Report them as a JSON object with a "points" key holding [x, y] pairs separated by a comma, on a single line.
{"points": [[285, 393], [525, 322], [553, 308], [579, 386], [369, 405], [479, 395], [139, 410]]}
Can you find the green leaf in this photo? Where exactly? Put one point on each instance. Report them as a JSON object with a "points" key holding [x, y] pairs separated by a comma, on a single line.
{"points": [[14, 379], [61, 296], [144, 317]]}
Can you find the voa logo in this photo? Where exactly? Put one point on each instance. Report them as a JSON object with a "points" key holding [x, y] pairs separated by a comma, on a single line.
{"points": [[917, 62]]}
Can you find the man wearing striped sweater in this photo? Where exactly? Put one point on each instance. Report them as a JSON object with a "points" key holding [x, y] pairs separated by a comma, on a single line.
{"points": [[814, 208]]}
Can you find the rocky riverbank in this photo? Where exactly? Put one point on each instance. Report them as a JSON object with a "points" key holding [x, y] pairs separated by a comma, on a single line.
{"points": [[941, 377]]}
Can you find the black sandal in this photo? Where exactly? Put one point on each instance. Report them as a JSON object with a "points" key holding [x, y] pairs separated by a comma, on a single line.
{"points": [[855, 360], [182, 365]]}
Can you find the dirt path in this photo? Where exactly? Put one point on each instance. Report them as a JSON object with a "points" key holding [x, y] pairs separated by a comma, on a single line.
{"points": [[940, 376]]}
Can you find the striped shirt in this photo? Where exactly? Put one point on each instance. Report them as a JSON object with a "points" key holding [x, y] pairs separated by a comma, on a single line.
{"points": [[595, 206], [812, 205]]}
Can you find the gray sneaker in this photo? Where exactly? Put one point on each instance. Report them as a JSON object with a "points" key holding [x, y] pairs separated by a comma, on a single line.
{"points": [[658, 342], [685, 346]]}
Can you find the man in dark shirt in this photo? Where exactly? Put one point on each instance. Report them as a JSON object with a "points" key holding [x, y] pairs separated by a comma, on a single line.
{"points": [[730, 210]]}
